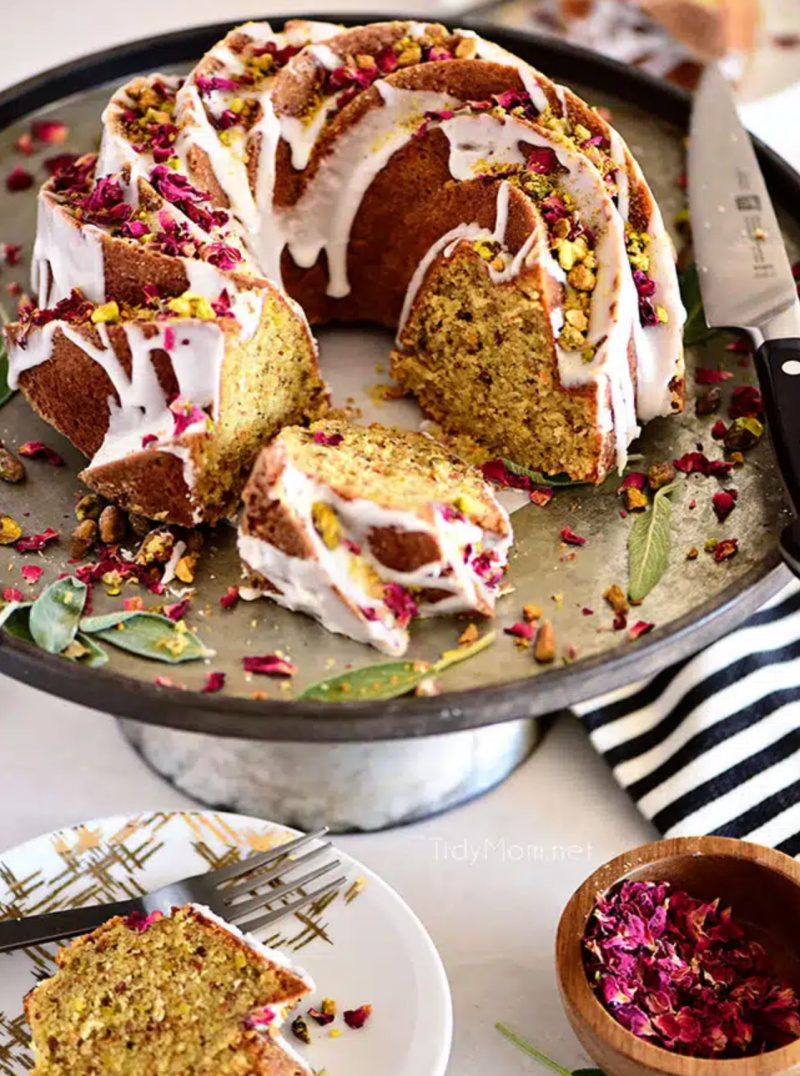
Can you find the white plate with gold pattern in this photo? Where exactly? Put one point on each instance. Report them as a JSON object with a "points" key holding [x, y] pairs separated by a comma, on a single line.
{"points": [[364, 946]]}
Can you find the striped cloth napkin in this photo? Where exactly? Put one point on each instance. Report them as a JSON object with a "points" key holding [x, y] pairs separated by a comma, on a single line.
{"points": [[712, 745]]}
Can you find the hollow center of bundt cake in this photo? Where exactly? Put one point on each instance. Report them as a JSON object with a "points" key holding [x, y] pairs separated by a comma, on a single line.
{"points": [[395, 468], [178, 997], [480, 359]]}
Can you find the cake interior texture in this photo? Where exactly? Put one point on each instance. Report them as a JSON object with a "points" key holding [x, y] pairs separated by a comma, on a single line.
{"points": [[480, 359], [391, 467], [180, 996]]}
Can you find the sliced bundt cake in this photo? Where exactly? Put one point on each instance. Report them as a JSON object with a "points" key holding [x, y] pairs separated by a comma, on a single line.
{"points": [[396, 172], [366, 528], [178, 394], [158, 996]]}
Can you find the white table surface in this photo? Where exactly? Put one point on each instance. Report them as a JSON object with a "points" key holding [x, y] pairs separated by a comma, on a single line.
{"points": [[489, 880]]}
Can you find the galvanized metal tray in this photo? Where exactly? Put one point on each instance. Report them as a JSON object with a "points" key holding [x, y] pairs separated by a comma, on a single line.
{"points": [[696, 602]]}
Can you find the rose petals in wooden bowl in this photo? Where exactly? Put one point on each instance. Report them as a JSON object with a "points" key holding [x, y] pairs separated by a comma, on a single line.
{"points": [[704, 988]]}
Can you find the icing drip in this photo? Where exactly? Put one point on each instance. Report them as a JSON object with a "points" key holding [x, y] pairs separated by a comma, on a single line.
{"points": [[325, 587], [323, 216], [480, 140], [65, 256]]}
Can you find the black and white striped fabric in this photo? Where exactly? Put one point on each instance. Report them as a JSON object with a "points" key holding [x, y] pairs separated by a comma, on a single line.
{"points": [[712, 745]]}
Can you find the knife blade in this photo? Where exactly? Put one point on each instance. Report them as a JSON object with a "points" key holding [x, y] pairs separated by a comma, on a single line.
{"points": [[742, 265], [744, 273]]}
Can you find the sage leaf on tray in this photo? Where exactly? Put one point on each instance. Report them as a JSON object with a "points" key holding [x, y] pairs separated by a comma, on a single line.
{"points": [[695, 329], [649, 545], [388, 679], [5, 392], [84, 650], [540, 479], [543, 1059], [149, 635], [56, 613], [14, 620]]}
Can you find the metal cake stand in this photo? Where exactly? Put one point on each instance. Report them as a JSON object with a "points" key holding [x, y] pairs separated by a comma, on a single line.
{"points": [[362, 765]]}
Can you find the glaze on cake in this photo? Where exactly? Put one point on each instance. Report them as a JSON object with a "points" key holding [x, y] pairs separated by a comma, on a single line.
{"points": [[366, 528], [366, 172]]}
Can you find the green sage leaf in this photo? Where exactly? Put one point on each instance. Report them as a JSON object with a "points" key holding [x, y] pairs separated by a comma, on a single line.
{"points": [[56, 613], [539, 478], [649, 545], [14, 620], [149, 635], [388, 679], [695, 329], [83, 650], [5, 392]]}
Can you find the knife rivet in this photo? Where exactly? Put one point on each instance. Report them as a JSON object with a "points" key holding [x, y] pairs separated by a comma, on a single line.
{"points": [[791, 367]]}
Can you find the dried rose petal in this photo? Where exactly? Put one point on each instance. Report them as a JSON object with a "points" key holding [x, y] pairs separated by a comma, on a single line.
{"points": [[133, 605], [178, 610], [521, 631], [229, 598], [331, 439], [322, 1018], [18, 179], [641, 627], [51, 132], [541, 496], [542, 160], [711, 377], [698, 462], [269, 665], [140, 923], [31, 573], [215, 681], [399, 601], [746, 402], [723, 550], [12, 594], [724, 502], [267, 1015], [149, 439], [35, 449], [718, 430], [356, 1018], [11, 253], [34, 542], [571, 538], [61, 164], [186, 414], [634, 480], [24, 144]]}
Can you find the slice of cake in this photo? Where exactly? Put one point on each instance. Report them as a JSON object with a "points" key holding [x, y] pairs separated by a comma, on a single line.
{"points": [[178, 395], [162, 996], [366, 528]]}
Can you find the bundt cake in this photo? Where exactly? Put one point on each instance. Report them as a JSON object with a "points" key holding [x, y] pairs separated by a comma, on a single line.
{"points": [[366, 528], [146, 995], [399, 173]]}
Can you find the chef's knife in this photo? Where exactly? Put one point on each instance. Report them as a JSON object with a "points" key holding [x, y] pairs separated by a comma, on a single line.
{"points": [[745, 277]]}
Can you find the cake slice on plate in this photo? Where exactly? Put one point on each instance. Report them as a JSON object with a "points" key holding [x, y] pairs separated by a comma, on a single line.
{"points": [[365, 528], [158, 996]]}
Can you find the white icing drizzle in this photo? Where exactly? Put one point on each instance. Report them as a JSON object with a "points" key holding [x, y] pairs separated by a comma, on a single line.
{"points": [[66, 255], [492, 53], [656, 345], [323, 586], [326, 57], [323, 216]]}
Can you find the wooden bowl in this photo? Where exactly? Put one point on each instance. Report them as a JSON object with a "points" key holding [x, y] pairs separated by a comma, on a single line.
{"points": [[763, 888]]}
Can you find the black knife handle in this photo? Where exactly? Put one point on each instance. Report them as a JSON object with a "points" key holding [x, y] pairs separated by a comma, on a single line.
{"points": [[778, 367]]}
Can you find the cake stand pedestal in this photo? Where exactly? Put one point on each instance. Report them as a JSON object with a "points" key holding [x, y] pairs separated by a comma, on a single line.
{"points": [[347, 786]]}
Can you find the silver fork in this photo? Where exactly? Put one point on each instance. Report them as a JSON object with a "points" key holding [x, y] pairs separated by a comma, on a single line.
{"points": [[225, 891]]}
